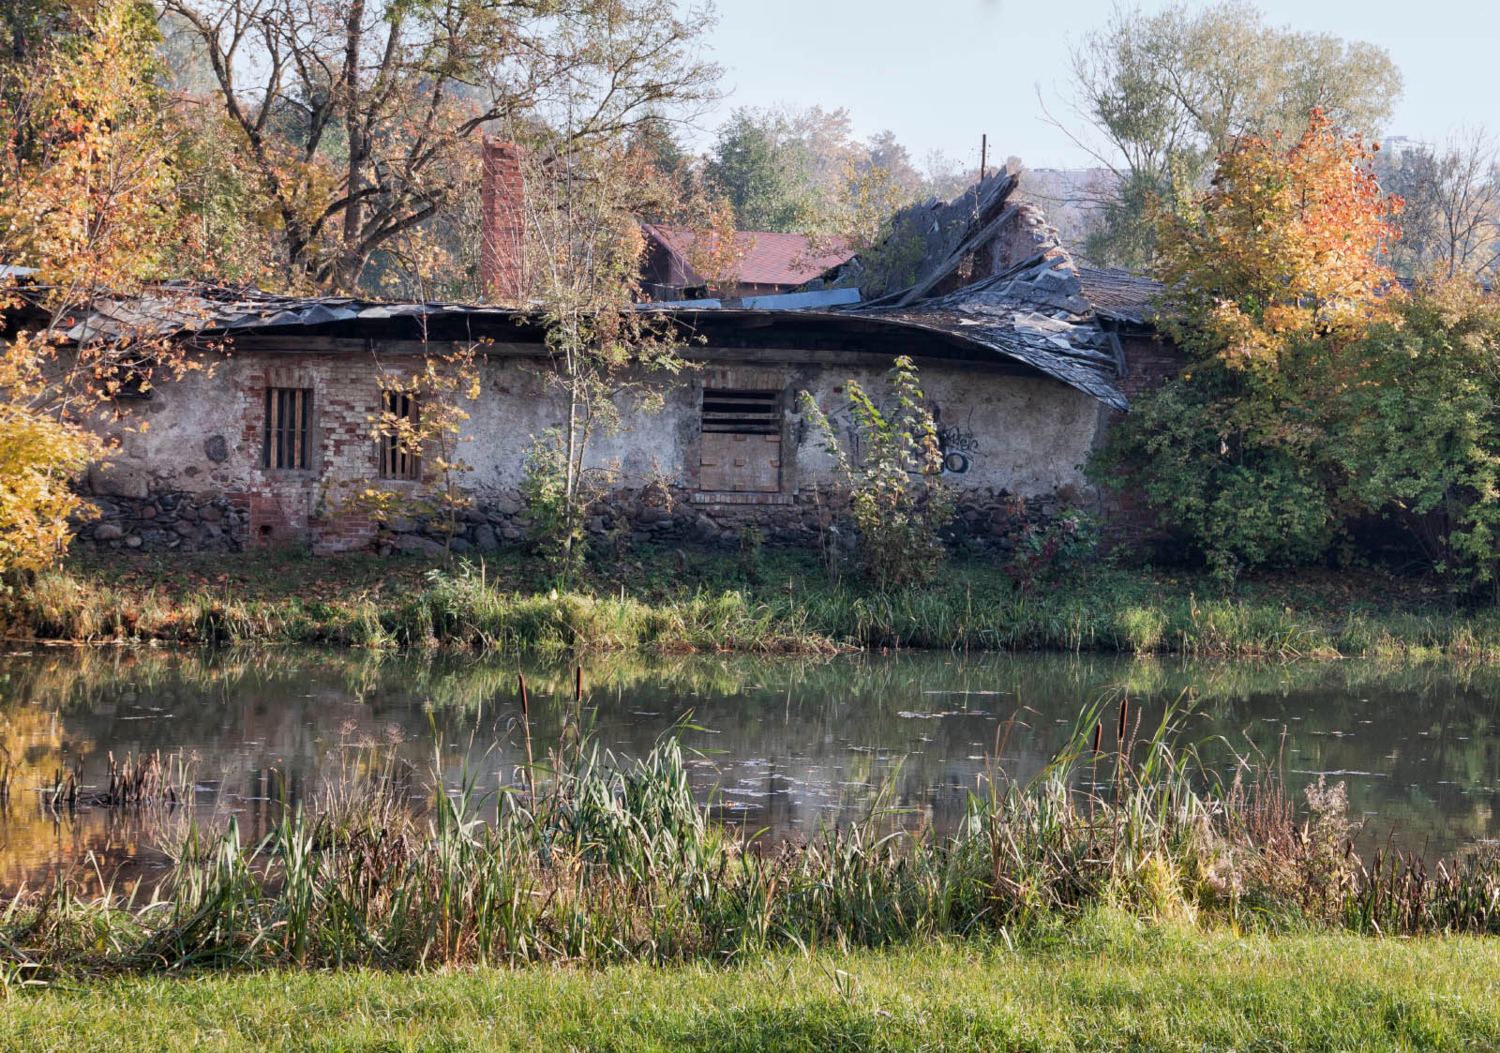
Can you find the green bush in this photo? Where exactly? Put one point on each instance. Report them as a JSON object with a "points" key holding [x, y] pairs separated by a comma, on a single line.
{"points": [[897, 497], [1419, 439], [1258, 468], [555, 525]]}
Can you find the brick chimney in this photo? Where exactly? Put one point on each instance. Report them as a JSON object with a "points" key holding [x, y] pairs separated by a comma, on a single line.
{"points": [[501, 270]]}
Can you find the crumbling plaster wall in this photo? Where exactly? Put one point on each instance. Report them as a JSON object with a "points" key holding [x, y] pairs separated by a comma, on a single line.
{"points": [[1001, 433], [1024, 435], [522, 397], [168, 438]]}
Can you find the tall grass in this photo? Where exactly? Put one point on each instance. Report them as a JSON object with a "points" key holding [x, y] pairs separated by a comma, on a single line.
{"points": [[707, 609], [610, 860]]}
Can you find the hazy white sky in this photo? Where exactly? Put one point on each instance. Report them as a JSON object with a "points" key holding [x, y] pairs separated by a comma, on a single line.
{"points": [[941, 72]]}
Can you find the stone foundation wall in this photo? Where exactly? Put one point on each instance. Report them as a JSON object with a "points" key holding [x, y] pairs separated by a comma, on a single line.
{"points": [[165, 521], [173, 520], [988, 522]]}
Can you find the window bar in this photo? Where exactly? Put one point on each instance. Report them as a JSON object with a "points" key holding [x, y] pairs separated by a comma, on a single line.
{"points": [[300, 418], [276, 429]]}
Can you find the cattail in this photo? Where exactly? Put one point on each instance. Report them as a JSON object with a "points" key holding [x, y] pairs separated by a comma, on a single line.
{"points": [[578, 683], [1124, 715], [1098, 735], [526, 730]]}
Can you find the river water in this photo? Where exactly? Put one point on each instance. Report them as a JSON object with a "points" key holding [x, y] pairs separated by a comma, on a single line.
{"points": [[782, 745]]}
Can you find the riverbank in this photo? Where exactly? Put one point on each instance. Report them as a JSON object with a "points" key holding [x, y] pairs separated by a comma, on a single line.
{"points": [[1141, 914], [1110, 984], [772, 602]]}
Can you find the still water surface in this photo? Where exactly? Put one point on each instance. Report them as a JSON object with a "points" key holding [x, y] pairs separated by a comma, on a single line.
{"points": [[784, 744]]}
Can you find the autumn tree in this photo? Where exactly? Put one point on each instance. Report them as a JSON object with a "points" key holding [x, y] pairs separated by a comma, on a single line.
{"points": [[581, 271], [87, 209], [1275, 275], [359, 116], [1286, 245], [1157, 97]]}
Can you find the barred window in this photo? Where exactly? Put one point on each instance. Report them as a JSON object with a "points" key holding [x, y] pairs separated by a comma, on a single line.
{"points": [[397, 458], [288, 415]]}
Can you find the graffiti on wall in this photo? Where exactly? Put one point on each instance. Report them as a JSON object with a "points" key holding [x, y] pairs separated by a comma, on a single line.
{"points": [[957, 443]]}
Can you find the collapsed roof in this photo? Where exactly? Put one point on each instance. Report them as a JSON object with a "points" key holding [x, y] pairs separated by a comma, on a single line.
{"points": [[981, 278], [987, 271]]}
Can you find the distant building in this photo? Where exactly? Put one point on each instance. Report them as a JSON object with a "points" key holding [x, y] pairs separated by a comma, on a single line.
{"points": [[769, 263]]}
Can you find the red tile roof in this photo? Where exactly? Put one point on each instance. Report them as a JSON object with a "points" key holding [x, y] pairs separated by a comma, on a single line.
{"points": [[770, 258]]}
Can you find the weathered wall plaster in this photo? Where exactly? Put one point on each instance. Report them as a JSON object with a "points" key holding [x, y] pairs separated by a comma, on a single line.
{"points": [[1019, 436]]}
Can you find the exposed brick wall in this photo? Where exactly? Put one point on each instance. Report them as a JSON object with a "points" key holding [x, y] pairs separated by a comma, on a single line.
{"points": [[501, 257], [1149, 363], [293, 504]]}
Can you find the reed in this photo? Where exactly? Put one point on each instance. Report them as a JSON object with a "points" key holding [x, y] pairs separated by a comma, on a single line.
{"points": [[601, 859]]}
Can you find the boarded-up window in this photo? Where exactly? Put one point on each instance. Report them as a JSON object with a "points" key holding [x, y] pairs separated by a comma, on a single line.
{"points": [[288, 423], [398, 454], [741, 442]]}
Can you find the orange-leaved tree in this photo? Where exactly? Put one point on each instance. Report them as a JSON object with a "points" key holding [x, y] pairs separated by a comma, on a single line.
{"points": [[1272, 277], [1286, 245]]}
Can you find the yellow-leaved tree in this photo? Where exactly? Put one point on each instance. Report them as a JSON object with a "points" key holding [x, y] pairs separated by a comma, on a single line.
{"points": [[1287, 245], [86, 211]]}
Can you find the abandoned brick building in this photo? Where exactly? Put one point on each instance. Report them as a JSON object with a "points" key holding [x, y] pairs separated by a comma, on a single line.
{"points": [[1025, 359]]}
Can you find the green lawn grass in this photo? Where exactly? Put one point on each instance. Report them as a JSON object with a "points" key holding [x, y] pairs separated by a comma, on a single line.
{"points": [[1109, 984]]}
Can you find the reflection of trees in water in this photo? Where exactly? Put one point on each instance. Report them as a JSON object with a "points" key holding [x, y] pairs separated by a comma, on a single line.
{"points": [[794, 739]]}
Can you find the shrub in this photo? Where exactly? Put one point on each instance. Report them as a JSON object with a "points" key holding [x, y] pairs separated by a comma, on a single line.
{"points": [[555, 525], [897, 497], [1419, 439], [1043, 555]]}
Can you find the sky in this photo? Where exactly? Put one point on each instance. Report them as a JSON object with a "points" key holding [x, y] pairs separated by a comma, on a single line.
{"points": [[942, 72]]}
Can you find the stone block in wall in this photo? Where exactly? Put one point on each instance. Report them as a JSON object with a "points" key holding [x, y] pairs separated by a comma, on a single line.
{"points": [[506, 504], [485, 539], [118, 480], [411, 544]]}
